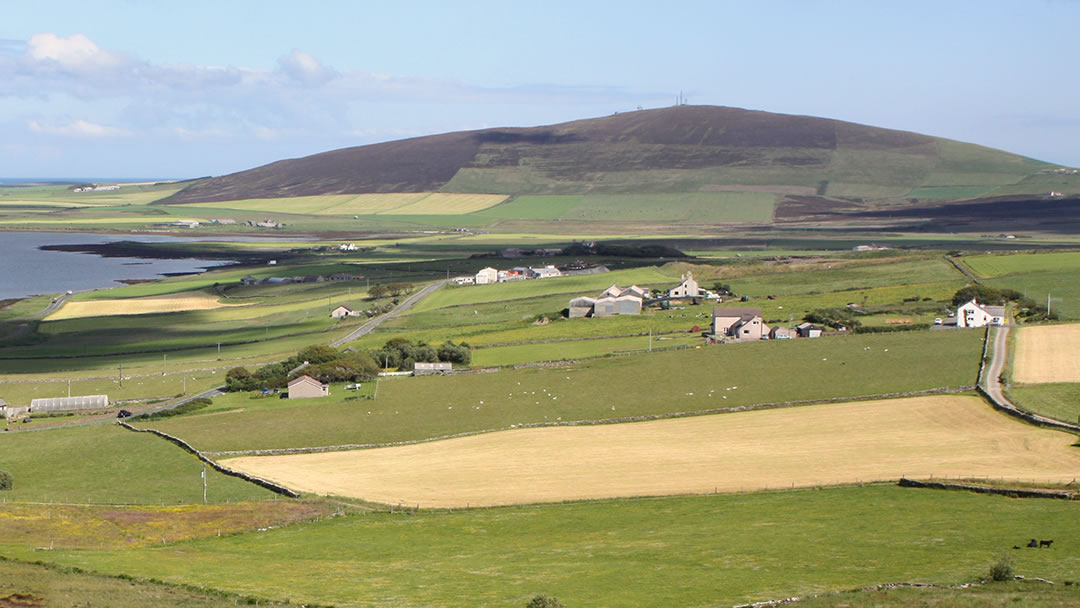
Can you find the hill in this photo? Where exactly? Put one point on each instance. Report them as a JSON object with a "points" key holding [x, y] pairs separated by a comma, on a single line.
{"points": [[677, 149]]}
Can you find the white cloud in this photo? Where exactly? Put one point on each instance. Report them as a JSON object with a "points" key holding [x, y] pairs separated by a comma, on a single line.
{"points": [[78, 128], [76, 52], [305, 68]]}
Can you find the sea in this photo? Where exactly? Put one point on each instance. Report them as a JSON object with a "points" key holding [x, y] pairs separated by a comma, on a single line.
{"points": [[26, 270]]}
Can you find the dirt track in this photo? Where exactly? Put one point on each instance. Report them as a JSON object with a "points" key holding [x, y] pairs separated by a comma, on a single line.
{"points": [[1047, 353], [806, 446]]}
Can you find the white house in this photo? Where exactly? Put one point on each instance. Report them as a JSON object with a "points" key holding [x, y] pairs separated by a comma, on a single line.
{"points": [[739, 323], [974, 314], [543, 273], [487, 276], [687, 289], [306, 387]]}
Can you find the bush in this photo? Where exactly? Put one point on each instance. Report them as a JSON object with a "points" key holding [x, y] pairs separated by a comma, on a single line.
{"points": [[544, 601], [1002, 569], [191, 406], [6, 480]]}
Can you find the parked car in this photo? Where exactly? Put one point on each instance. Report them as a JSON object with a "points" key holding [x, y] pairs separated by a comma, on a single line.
{"points": [[124, 414]]}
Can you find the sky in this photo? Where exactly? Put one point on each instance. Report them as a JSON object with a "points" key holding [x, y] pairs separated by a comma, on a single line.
{"points": [[142, 89]]}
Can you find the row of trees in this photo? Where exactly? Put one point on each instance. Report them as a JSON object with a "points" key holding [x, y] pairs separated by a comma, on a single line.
{"points": [[328, 364], [401, 353], [389, 289]]}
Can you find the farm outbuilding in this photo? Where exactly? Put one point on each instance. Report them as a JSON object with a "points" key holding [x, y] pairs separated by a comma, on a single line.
{"points": [[342, 311], [427, 369], [306, 387], [62, 404]]}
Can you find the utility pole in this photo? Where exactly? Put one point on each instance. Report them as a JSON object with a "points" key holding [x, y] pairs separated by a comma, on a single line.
{"points": [[69, 387], [164, 362], [185, 384], [650, 339], [219, 351], [204, 483], [121, 374]]}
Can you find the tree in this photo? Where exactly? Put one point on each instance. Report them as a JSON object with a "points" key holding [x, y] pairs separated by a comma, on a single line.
{"points": [[318, 353], [544, 601], [6, 480], [378, 291], [455, 353], [239, 379]]}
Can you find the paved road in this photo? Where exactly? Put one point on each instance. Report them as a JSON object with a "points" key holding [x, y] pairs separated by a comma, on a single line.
{"points": [[210, 394], [370, 326], [51, 308]]}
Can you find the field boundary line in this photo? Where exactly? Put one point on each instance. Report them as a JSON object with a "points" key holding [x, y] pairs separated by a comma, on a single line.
{"points": [[581, 339], [962, 269], [881, 587], [269, 485], [1010, 492], [599, 422]]}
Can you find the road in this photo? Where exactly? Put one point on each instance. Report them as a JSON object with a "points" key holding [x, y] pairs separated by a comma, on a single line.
{"points": [[51, 308], [210, 394], [994, 390], [370, 326]]}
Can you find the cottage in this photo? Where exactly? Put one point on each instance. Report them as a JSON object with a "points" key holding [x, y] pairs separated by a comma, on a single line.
{"points": [[974, 314], [342, 311], [739, 323], [341, 276], [306, 387], [687, 289], [487, 276], [428, 369], [808, 330]]}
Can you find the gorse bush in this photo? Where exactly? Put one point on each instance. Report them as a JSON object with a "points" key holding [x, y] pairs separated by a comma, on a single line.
{"points": [[6, 480], [1002, 569]]}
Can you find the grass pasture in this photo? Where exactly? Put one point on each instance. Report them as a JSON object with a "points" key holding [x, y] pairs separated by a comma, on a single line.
{"points": [[1047, 353], [997, 265], [403, 203], [106, 464], [30, 585], [687, 551], [718, 376], [934, 436], [1059, 400], [139, 306]]}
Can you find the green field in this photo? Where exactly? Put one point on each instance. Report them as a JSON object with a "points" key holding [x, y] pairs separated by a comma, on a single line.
{"points": [[694, 551], [998, 265], [106, 464], [1054, 400], [718, 376]]}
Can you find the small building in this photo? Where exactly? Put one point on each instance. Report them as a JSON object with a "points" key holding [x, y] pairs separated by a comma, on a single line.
{"points": [[582, 307], [427, 369], [782, 333], [608, 306], [341, 276], [615, 291], [249, 281], [808, 330], [739, 323], [546, 272], [687, 289], [342, 311], [487, 276], [974, 314], [346, 247], [306, 387], [464, 280]]}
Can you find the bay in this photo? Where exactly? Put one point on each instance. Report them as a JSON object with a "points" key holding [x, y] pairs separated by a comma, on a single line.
{"points": [[27, 270]]}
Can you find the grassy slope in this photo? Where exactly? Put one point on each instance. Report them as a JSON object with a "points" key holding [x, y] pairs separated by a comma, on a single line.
{"points": [[106, 464], [417, 408], [693, 551], [71, 587], [1060, 400]]}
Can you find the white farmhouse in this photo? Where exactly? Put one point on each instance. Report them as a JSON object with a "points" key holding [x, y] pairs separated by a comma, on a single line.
{"points": [[487, 276], [687, 289], [974, 314]]}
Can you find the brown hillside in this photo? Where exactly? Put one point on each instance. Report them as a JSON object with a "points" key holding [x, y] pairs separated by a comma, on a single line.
{"points": [[586, 156]]}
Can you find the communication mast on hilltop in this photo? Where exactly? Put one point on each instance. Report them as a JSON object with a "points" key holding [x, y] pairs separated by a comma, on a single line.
{"points": [[680, 99]]}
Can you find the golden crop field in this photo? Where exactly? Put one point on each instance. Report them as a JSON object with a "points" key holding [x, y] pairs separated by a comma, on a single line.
{"points": [[138, 306], [783, 448], [369, 204], [1047, 353], [441, 203]]}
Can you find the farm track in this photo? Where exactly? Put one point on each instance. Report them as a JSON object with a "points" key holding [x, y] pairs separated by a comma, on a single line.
{"points": [[370, 326]]}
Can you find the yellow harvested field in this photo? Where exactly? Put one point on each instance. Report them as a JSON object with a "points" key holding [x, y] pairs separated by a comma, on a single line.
{"points": [[370, 204], [450, 204], [391, 203], [805, 446], [137, 306], [1047, 353]]}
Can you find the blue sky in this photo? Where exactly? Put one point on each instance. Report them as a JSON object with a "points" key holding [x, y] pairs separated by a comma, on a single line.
{"points": [[127, 88]]}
